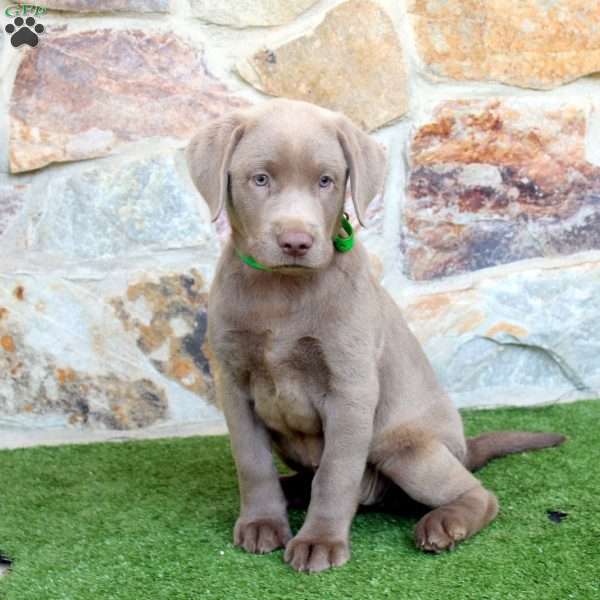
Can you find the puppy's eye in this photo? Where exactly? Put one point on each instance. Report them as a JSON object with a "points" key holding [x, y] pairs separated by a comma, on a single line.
{"points": [[260, 179], [325, 181]]}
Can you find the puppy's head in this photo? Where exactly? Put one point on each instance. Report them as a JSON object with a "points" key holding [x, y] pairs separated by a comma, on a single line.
{"points": [[280, 170]]}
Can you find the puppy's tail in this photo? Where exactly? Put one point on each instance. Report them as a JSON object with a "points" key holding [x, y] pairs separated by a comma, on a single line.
{"points": [[486, 447]]}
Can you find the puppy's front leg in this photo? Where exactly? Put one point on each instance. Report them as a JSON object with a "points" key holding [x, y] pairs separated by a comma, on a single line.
{"points": [[323, 541], [263, 524]]}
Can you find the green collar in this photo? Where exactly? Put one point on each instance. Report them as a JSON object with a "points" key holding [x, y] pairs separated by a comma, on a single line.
{"points": [[341, 244]]}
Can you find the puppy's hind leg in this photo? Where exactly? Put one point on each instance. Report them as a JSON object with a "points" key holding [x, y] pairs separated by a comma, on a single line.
{"points": [[430, 474], [297, 487]]}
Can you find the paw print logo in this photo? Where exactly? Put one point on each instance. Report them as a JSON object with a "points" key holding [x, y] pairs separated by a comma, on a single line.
{"points": [[26, 33]]}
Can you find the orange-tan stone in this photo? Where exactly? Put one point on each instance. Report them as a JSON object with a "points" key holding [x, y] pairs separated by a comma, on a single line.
{"points": [[87, 94], [352, 62], [495, 181], [530, 43]]}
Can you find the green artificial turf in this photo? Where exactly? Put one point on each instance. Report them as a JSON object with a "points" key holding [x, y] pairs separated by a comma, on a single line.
{"points": [[153, 520]]}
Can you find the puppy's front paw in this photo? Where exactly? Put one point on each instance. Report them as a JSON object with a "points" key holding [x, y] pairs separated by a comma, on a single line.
{"points": [[315, 554], [261, 536]]}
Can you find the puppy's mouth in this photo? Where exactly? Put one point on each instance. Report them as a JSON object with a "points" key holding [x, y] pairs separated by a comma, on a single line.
{"points": [[300, 264], [293, 263], [292, 267]]}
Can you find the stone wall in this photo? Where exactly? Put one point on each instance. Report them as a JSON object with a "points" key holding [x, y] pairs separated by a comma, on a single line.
{"points": [[488, 234]]}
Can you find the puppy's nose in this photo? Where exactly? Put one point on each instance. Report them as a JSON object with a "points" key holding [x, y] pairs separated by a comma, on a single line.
{"points": [[295, 243]]}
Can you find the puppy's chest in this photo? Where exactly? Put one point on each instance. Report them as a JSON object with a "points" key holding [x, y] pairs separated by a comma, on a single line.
{"points": [[289, 377]]}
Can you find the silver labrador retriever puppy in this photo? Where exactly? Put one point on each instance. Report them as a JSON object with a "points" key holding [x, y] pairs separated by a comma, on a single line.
{"points": [[312, 356]]}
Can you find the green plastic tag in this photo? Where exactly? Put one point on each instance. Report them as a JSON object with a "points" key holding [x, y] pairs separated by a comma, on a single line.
{"points": [[344, 244]]}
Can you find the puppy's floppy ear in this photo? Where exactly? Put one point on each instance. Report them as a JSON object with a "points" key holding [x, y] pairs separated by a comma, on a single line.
{"points": [[208, 157], [366, 161]]}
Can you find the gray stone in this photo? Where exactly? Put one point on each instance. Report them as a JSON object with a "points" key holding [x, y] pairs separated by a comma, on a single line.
{"points": [[119, 208], [168, 318], [79, 352], [249, 13], [519, 337], [12, 199]]}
